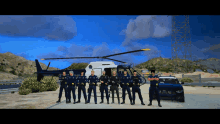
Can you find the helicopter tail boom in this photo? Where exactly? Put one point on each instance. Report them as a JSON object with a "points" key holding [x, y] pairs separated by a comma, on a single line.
{"points": [[38, 66]]}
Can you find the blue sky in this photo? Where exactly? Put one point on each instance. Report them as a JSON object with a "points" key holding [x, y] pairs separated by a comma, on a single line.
{"points": [[36, 37]]}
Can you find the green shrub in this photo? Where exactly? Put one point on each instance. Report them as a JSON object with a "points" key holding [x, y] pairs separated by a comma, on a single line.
{"points": [[49, 84], [24, 91], [185, 79], [46, 84]]}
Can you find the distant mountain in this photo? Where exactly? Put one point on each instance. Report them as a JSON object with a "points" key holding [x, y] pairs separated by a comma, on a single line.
{"points": [[167, 65], [16, 65]]}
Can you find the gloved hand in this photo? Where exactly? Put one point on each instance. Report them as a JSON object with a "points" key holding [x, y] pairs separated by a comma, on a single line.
{"points": [[127, 83], [113, 82]]}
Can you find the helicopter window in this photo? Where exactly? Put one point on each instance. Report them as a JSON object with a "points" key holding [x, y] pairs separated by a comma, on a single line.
{"points": [[105, 64], [90, 66]]}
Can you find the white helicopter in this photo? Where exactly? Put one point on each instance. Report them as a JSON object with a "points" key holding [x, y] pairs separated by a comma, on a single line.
{"points": [[98, 67]]}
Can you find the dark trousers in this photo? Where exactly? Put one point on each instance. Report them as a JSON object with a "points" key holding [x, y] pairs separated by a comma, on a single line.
{"points": [[128, 90], [71, 88], [102, 89], [79, 92], [94, 91], [113, 89], [152, 90], [63, 86], [137, 88]]}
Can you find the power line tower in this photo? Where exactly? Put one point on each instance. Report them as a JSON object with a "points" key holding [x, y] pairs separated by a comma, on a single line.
{"points": [[181, 40]]}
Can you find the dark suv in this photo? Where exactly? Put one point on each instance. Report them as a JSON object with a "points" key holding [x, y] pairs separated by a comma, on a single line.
{"points": [[170, 88]]}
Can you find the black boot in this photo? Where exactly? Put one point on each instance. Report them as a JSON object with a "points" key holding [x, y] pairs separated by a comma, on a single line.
{"points": [[142, 103], [107, 101], [101, 101], [86, 101], [123, 102], [67, 101], [58, 100], [78, 101], [133, 103], [159, 104], [150, 104], [74, 101]]}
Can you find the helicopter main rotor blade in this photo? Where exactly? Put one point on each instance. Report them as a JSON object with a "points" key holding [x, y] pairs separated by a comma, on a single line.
{"points": [[115, 60], [71, 58], [127, 52]]}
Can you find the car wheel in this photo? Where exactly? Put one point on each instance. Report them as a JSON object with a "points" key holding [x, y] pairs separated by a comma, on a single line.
{"points": [[180, 98]]}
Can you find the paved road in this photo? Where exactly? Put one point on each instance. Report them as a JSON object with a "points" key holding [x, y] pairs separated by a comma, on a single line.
{"points": [[198, 101], [8, 90]]}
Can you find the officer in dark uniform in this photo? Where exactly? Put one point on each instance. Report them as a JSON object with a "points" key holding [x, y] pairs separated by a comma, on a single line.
{"points": [[136, 87], [114, 82], [63, 85], [93, 79], [125, 82], [81, 86], [71, 82], [104, 86], [154, 87]]}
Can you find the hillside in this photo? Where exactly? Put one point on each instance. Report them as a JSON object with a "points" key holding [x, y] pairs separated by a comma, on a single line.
{"points": [[77, 66], [167, 65], [18, 66]]}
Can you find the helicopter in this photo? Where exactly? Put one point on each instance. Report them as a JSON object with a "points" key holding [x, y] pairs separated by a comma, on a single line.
{"points": [[98, 67]]}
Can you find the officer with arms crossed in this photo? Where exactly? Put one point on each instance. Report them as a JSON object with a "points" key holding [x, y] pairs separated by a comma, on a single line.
{"points": [[114, 82], [71, 82], [93, 79], [136, 86], [81, 86], [104, 86], [126, 80], [154, 87], [63, 85]]}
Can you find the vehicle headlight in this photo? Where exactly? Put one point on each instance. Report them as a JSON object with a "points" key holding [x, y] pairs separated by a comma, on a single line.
{"points": [[179, 91]]}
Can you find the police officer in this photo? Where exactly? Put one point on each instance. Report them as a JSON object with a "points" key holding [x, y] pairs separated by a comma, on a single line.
{"points": [[136, 87], [104, 86], [154, 87], [114, 82], [93, 79], [71, 82], [63, 85], [81, 86], [125, 81]]}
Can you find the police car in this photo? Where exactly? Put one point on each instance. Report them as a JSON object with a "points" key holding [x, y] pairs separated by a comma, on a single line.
{"points": [[170, 88]]}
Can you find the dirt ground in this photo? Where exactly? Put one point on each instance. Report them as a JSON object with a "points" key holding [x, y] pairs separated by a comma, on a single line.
{"points": [[45, 99], [203, 74]]}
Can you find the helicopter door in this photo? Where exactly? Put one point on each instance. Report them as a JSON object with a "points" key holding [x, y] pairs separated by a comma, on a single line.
{"points": [[108, 72]]}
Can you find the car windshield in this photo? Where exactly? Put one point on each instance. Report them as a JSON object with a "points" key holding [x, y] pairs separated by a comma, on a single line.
{"points": [[169, 81]]}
